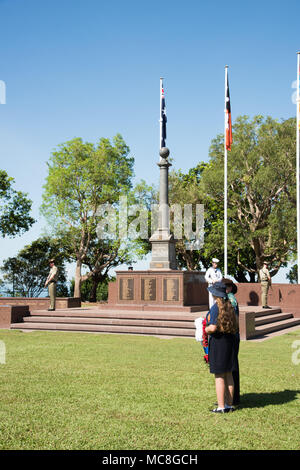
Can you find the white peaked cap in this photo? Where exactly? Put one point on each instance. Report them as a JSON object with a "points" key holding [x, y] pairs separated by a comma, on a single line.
{"points": [[215, 260]]}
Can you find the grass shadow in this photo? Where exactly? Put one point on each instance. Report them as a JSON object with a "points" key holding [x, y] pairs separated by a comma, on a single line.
{"points": [[260, 400]]}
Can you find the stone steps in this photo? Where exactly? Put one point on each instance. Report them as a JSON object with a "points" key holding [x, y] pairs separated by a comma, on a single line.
{"points": [[133, 314], [157, 308], [141, 322], [119, 329], [267, 312], [268, 321], [271, 318], [104, 321], [110, 321], [276, 326]]}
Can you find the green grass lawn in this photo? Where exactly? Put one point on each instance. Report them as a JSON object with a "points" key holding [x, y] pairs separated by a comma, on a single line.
{"points": [[91, 391]]}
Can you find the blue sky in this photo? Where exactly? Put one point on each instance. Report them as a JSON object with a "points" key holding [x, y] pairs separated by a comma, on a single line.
{"points": [[91, 68]]}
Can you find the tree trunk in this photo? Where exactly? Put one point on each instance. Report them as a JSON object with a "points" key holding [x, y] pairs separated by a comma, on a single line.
{"points": [[77, 286], [93, 294]]}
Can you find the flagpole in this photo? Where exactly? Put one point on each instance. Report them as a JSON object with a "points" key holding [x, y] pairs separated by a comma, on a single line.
{"points": [[298, 166], [160, 114], [225, 179]]}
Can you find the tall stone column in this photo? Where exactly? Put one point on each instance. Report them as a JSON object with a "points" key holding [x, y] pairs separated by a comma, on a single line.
{"points": [[162, 241]]}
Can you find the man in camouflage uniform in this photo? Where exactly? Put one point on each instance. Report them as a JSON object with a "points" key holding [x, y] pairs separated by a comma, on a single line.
{"points": [[51, 283]]}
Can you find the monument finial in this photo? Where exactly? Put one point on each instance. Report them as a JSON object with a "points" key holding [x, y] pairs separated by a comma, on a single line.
{"points": [[164, 152]]}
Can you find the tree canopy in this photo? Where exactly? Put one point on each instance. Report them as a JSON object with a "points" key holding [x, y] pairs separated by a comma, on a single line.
{"points": [[261, 189], [14, 208], [25, 274], [185, 188], [81, 178]]}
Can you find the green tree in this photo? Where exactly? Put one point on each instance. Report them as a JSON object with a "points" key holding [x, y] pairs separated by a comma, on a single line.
{"points": [[25, 274], [102, 255], [261, 187], [14, 208], [81, 177], [292, 275], [185, 188], [87, 286]]}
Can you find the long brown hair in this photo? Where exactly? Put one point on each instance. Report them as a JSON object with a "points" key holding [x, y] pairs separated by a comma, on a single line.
{"points": [[227, 322]]}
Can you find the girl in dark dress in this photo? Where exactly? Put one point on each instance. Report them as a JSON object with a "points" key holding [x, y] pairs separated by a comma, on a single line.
{"points": [[231, 290], [222, 327]]}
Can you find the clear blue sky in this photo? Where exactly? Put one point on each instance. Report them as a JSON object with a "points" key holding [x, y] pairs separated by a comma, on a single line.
{"points": [[91, 68]]}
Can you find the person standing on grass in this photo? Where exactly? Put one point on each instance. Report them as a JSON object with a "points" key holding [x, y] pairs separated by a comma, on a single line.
{"points": [[222, 327], [231, 290], [265, 281], [51, 283], [212, 275]]}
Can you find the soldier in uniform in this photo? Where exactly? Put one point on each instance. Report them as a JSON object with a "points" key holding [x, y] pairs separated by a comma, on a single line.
{"points": [[212, 275], [51, 283], [265, 280]]}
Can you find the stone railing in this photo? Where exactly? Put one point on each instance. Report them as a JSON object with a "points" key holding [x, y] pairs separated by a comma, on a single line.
{"points": [[12, 314], [41, 303], [284, 296]]}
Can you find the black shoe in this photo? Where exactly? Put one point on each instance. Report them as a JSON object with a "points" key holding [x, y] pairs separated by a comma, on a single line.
{"points": [[51, 309], [230, 409], [222, 410], [266, 306]]}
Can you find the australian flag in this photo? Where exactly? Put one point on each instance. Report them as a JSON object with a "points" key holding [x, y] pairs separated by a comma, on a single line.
{"points": [[163, 119], [228, 124]]}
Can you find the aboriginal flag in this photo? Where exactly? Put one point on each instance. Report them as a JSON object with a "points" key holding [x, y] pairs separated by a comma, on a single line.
{"points": [[163, 119], [228, 125]]}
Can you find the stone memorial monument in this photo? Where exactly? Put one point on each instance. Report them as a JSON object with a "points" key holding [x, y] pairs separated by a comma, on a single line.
{"points": [[162, 241], [162, 287]]}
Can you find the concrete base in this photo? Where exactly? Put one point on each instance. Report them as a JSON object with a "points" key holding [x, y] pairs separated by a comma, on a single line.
{"points": [[163, 251], [155, 289]]}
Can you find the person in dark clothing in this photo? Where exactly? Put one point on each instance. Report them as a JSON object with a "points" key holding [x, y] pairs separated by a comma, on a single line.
{"points": [[222, 327], [231, 290]]}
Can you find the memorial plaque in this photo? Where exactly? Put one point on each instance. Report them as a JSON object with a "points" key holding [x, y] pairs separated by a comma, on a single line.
{"points": [[171, 289], [126, 291], [148, 288]]}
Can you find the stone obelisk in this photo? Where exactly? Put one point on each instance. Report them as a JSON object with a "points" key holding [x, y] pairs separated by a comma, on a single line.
{"points": [[162, 240]]}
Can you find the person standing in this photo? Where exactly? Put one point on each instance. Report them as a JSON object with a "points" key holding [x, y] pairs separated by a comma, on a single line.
{"points": [[231, 290], [212, 275], [265, 280], [222, 327], [51, 283]]}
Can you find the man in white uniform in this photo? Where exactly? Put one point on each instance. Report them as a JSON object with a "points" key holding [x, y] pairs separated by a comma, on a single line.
{"points": [[212, 275]]}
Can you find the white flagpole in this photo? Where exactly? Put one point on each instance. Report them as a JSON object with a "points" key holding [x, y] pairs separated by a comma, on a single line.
{"points": [[297, 166], [160, 115], [225, 178]]}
